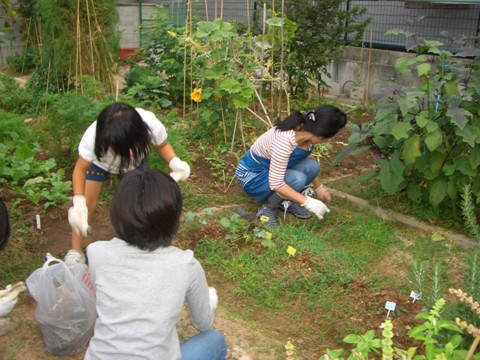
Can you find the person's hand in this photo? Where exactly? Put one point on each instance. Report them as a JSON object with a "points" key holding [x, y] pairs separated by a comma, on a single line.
{"points": [[180, 169], [323, 193], [213, 298], [78, 215], [9, 297], [316, 206]]}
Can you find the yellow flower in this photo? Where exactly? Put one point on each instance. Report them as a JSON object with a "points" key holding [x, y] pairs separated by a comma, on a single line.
{"points": [[196, 95], [269, 63]]}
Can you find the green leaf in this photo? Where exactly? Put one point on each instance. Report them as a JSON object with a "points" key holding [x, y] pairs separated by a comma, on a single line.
{"points": [[414, 192], [401, 130], [411, 149], [422, 119], [423, 69], [407, 104], [451, 87], [433, 140], [391, 175], [352, 339], [275, 22], [438, 192], [458, 115], [224, 222]]}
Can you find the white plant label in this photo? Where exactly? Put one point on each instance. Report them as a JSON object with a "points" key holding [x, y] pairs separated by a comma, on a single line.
{"points": [[39, 225], [415, 296], [390, 306]]}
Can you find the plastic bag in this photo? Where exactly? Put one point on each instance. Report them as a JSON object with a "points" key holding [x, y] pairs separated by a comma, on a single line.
{"points": [[65, 310]]}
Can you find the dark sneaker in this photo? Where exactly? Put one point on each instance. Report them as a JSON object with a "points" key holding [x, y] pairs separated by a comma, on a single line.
{"points": [[296, 209], [268, 215]]}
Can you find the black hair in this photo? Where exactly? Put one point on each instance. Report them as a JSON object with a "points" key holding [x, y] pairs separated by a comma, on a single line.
{"points": [[146, 209], [4, 225], [121, 129], [325, 121]]}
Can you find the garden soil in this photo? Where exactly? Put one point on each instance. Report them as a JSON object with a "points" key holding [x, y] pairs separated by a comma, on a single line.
{"points": [[246, 339]]}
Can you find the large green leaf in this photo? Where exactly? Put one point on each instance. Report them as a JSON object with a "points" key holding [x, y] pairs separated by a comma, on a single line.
{"points": [[411, 149], [414, 191], [424, 69], [401, 129], [438, 192], [433, 140], [391, 175], [458, 115], [407, 104]]}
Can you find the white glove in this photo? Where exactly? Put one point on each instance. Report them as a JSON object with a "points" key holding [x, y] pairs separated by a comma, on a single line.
{"points": [[213, 298], [180, 169], [323, 193], [9, 297], [316, 206], [78, 215]]}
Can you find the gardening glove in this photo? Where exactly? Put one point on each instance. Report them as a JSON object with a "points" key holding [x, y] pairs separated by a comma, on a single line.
{"points": [[323, 193], [180, 169], [213, 298], [316, 206], [78, 215], [9, 297]]}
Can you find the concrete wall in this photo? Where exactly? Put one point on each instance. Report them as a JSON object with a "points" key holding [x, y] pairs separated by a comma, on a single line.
{"points": [[359, 72]]}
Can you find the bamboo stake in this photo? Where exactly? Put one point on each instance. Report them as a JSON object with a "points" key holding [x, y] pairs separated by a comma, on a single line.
{"points": [[258, 117], [273, 57], [234, 129], [241, 132], [248, 16], [78, 47], [262, 54], [368, 70], [216, 6], [279, 108], [206, 10], [221, 9], [472, 349], [92, 59], [263, 107], [223, 122]]}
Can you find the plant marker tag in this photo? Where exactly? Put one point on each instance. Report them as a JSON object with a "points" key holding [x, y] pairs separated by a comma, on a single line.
{"points": [[268, 235], [264, 218], [415, 296], [37, 220], [291, 251], [390, 306]]}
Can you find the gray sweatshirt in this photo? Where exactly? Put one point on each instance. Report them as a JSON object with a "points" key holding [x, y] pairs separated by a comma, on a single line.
{"points": [[140, 295]]}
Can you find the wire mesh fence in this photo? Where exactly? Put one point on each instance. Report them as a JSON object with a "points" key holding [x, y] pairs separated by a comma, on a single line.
{"points": [[431, 20]]}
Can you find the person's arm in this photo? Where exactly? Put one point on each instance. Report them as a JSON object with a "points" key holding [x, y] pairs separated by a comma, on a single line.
{"points": [[79, 176], [165, 150], [315, 206], [78, 213], [180, 169], [199, 297]]}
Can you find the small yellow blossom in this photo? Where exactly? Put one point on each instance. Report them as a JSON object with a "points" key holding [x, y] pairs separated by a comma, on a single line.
{"points": [[196, 95], [269, 63]]}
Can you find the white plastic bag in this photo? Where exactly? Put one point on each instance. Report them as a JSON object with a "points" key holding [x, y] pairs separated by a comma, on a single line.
{"points": [[65, 310]]}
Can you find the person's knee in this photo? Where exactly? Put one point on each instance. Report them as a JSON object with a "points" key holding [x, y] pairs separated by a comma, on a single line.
{"points": [[312, 166], [297, 180]]}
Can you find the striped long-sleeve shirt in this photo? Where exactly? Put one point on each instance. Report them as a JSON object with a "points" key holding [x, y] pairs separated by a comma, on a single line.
{"points": [[277, 146]]}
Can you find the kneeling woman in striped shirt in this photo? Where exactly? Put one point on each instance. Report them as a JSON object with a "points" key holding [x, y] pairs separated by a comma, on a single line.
{"points": [[278, 168]]}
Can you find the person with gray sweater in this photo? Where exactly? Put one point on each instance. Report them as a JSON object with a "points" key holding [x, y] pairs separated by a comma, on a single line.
{"points": [[142, 281]]}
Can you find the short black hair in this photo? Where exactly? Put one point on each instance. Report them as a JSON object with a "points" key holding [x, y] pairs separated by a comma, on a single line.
{"points": [[146, 209]]}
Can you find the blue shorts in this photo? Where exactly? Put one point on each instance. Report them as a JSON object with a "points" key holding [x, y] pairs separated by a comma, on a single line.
{"points": [[96, 173]]}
